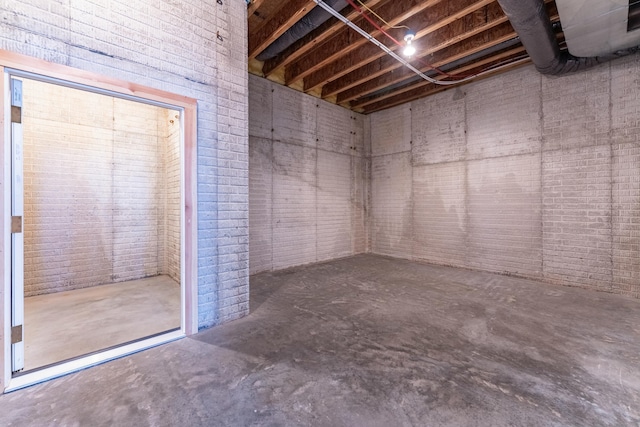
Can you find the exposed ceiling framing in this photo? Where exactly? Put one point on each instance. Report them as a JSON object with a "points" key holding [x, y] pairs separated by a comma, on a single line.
{"points": [[459, 37]]}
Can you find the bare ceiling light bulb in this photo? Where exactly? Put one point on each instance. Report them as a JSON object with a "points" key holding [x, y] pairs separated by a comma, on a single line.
{"points": [[409, 49]]}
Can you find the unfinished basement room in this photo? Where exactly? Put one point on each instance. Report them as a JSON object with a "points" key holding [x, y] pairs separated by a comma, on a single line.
{"points": [[320, 213]]}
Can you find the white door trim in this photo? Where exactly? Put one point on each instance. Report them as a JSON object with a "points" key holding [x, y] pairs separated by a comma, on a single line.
{"points": [[21, 65]]}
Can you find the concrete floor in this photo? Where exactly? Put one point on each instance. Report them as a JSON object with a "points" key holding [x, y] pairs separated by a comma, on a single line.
{"points": [[68, 324], [371, 341]]}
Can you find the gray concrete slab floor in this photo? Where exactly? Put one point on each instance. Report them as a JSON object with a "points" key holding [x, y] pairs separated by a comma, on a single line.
{"points": [[64, 325], [372, 341]]}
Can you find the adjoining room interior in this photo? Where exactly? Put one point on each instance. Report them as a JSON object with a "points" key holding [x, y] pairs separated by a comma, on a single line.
{"points": [[101, 221]]}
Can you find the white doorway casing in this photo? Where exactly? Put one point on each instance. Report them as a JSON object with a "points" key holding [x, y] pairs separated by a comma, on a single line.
{"points": [[14, 64]]}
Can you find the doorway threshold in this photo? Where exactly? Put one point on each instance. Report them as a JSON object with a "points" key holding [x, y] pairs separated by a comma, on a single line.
{"points": [[36, 376]]}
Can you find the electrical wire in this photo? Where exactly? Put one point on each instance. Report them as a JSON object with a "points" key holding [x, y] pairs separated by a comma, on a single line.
{"points": [[399, 44], [372, 22], [391, 53], [380, 18]]}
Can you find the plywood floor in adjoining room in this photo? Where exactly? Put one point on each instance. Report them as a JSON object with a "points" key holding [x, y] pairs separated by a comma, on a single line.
{"points": [[68, 324]]}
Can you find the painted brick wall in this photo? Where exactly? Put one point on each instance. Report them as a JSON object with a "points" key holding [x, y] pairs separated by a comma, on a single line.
{"points": [[520, 174], [307, 177], [96, 189], [170, 221], [171, 46]]}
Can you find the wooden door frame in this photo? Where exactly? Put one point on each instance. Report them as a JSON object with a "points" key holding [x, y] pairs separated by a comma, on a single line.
{"points": [[98, 83]]}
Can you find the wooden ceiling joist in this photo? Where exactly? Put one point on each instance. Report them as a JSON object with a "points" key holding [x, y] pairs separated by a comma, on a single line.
{"points": [[290, 12], [471, 46], [311, 40], [255, 4], [444, 57], [339, 46], [430, 20], [436, 41], [424, 88], [334, 62], [466, 47]]}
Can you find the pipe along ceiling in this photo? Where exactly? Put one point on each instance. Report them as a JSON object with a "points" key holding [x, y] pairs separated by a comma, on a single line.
{"points": [[529, 19]]}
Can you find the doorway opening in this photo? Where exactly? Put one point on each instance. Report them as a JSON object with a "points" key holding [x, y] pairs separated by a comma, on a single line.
{"points": [[101, 221], [101, 256]]}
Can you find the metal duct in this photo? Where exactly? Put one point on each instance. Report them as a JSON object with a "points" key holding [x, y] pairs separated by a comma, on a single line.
{"points": [[530, 20], [304, 26]]}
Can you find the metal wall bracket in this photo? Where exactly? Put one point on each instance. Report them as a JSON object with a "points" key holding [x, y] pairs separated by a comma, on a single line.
{"points": [[16, 334], [16, 114], [16, 224]]}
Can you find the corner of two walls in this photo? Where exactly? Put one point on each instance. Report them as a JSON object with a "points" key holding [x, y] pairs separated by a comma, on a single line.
{"points": [[96, 189], [307, 173], [519, 174]]}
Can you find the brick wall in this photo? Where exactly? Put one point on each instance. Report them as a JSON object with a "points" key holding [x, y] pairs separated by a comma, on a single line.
{"points": [[307, 177], [96, 186], [170, 46], [520, 174], [170, 221]]}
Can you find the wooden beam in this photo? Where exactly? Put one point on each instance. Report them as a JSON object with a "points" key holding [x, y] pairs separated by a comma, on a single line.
{"points": [[311, 40], [443, 14], [290, 12], [255, 4], [424, 88], [394, 12], [504, 32], [405, 73], [378, 80], [436, 41]]}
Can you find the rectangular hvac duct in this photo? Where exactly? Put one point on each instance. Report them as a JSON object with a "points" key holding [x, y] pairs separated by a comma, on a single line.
{"points": [[597, 27]]}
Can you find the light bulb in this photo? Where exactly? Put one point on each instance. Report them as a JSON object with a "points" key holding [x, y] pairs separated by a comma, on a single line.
{"points": [[409, 50]]}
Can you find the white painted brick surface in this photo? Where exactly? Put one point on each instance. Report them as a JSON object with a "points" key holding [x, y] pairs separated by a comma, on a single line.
{"points": [[294, 117], [360, 180], [294, 205], [391, 131], [503, 115], [170, 46], [576, 109], [438, 129], [335, 231], [308, 184], [626, 218], [547, 182], [260, 199], [439, 213], [335, 129], [577, 216], [261, 122], [171, 195], [391, 208], [96, 187], [504, 226], [625, 100]]}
